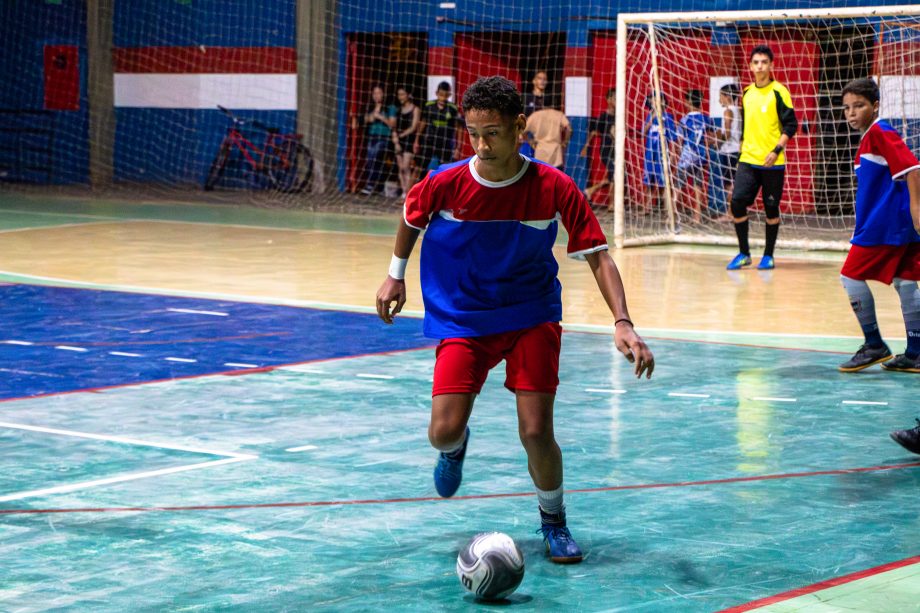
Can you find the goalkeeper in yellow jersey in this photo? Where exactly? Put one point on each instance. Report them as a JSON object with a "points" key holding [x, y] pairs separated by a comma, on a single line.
{"points": [[767, 124]]}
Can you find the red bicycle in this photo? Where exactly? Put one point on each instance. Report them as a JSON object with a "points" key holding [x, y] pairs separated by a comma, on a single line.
{"points": [[281, 161]]}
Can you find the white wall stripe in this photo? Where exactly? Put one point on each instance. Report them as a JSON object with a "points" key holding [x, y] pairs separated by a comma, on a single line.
{"points": [[206, 91]]}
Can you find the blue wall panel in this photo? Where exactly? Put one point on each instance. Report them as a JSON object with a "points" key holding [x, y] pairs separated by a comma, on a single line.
{"points": [[218, 23], [28, 26], [178, 145]]}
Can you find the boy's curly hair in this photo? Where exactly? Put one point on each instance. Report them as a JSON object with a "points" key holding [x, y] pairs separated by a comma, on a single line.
{"points": [[493, 94]]}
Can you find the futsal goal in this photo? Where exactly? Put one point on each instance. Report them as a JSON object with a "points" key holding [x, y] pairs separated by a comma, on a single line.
{"points": [[666, 61]]}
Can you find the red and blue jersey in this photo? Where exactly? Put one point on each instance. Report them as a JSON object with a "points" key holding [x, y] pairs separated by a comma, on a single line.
{"points": [[487, 262], [882, 200]]}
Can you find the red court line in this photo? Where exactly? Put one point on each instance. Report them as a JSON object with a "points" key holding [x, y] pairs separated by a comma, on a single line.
{"points": [[333, 503], [817, 587]]}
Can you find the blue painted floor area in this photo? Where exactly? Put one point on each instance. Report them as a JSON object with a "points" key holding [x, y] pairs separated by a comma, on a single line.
{"points": [[81, 339], [350, 520]]}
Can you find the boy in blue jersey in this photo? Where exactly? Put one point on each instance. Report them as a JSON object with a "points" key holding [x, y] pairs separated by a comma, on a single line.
{"points": [[694, 154], [653, 166], [886, 242], [490, 291]]}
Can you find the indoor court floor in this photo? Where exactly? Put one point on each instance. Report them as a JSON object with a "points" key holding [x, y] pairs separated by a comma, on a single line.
{"points": [[200, 411]]}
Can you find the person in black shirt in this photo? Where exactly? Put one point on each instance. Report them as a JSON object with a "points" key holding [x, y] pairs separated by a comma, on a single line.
{"points": [[439, 135], [534, 100], [602, 127]]}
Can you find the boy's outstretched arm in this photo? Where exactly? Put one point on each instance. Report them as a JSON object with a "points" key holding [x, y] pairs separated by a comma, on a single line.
{"points": [[627, 341], [913, 186], [394, 289]]}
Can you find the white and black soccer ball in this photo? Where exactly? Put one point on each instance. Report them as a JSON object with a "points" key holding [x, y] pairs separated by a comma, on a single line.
{"points": [[491, 565]]}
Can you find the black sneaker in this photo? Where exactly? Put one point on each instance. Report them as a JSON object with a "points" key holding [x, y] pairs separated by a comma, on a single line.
{"points": [[908, 439], [902, 363], [865, 357]]}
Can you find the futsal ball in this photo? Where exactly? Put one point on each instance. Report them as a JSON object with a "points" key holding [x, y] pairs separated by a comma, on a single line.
{"points": [[491, 566]]}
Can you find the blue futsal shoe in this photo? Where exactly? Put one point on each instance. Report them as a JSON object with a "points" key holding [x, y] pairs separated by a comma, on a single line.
{"points": [[766, 263], [560, 545], [448, 472], [739, 261]]}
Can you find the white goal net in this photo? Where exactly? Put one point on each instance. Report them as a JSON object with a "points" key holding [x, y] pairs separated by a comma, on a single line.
{"points": [[672, 65]]}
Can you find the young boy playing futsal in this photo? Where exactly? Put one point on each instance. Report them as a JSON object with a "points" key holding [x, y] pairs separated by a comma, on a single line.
{"points": [[886, 243], [490, 291]]}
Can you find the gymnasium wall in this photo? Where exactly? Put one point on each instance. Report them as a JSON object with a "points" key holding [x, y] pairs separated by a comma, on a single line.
{"points": [[174, 60]]}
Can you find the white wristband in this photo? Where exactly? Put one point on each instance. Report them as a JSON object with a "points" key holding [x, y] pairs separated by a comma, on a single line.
{"points": [[398, 268]]}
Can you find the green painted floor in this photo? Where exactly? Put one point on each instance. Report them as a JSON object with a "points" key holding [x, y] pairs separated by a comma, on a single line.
{"points": [[351, 522]]}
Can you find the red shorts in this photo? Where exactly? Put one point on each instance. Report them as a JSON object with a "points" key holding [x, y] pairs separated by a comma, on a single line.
{"points": [[883, 263], [531, 355]]}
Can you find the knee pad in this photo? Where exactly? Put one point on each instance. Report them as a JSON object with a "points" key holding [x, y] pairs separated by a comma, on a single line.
{"points": [[909, 294], [858, 292], [739, 209], [771, 209]]}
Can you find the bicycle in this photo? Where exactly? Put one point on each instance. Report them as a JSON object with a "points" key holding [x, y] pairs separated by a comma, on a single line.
{"points": [[281, 159]]}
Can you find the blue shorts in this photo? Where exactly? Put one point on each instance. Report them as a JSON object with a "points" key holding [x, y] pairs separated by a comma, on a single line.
{"points": [[653, 174]]}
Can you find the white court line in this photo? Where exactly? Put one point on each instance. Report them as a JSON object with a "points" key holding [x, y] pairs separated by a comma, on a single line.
{"points": [[281, 301], [69, 348], [365, 375], [303, 448], [772, 399], [241, 365], [687, 395], [303, 368], [18, 343], [127, 355], [229, 457], [55, 226], [194, 312], [883, 404], [387, 461], [187, 360], [126, 440], [597, 390], [121, 478]]}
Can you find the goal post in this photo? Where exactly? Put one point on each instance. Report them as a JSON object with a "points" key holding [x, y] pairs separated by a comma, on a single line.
{"points": [[666, 60]]}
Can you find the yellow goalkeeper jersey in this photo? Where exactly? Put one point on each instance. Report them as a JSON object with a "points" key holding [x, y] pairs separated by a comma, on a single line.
{"points": [[767, 113]]}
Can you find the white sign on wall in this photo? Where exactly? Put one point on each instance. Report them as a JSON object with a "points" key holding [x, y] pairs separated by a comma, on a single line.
{"points": [[715, 84], [435, 79], [578, 96]]}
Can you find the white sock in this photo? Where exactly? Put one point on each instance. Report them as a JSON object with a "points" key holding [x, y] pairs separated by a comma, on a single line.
{"points": [[551, 501]]}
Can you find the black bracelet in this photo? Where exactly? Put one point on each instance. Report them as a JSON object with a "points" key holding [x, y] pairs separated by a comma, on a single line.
{"points": [[778, 149], [623, 319]]}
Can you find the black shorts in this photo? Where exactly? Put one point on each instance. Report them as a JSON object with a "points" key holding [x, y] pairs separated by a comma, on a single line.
{"points": [[749, 180], [729, 163]]}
